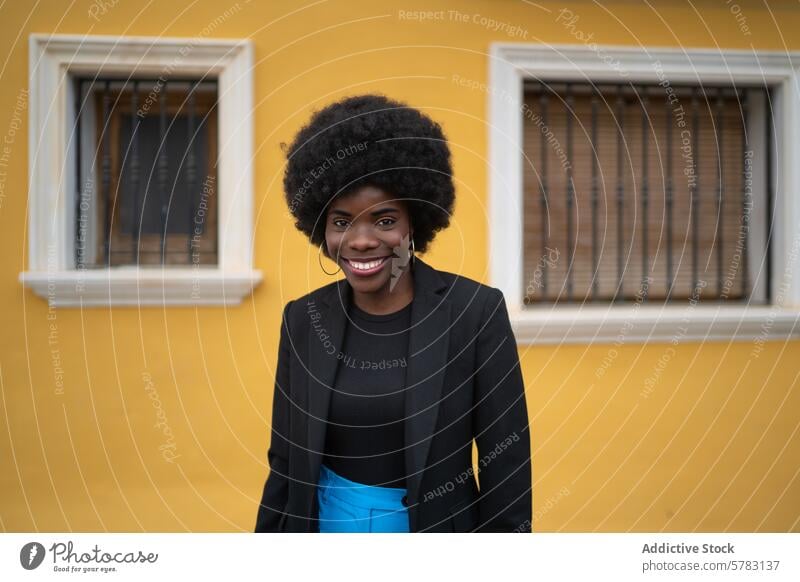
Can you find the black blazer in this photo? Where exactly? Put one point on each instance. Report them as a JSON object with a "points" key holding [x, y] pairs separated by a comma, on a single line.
{"points": [[463, 382]]}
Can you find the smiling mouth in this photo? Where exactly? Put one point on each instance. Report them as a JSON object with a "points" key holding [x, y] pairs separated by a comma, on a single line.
{"points": [[366, 267]]}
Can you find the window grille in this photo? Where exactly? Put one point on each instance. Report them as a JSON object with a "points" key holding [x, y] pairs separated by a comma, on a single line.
{"points": [[146, 167], [634, 193]]}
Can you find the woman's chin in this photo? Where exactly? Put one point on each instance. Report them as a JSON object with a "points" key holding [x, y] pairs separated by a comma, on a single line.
{"points": [[366, 285]]}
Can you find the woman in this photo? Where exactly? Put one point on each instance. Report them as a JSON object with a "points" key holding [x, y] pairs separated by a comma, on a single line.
{"points": [[386, 376]]}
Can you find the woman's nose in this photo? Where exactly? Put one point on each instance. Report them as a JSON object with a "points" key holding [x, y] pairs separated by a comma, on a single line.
{"points": [[361, 239]]}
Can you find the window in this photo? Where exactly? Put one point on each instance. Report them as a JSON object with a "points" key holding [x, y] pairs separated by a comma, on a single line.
{"points": [[147, 172], [634, 193], [141, 188], [607, 176]]}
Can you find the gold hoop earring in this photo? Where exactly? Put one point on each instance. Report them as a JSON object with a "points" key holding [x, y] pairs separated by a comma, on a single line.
{"points": [[413, 250], [319, 258]]}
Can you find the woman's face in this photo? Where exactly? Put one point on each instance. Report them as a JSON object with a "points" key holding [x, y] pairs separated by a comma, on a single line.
{"points": [[362, 230]]}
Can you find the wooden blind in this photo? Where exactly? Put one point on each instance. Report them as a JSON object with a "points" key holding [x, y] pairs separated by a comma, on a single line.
{"points": [[629, 196]]}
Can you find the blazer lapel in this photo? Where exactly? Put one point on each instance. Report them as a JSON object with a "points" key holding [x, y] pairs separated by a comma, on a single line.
{"points": [[326, 336], [427, 362], [428, 346]]}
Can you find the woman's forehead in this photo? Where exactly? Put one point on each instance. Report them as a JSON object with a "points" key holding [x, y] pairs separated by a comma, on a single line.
{"points": [[366, 199]]}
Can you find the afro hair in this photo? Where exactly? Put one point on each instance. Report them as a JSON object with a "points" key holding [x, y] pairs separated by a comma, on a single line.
{"points": [[370, 140]]}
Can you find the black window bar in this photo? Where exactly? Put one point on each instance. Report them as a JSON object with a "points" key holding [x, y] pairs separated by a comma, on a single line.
{"points": [[149, 155], [620, 193], [695, 187], [595, 192], [644, 189], [543, 192], [669, 201], [570, 190], [694, 192]]}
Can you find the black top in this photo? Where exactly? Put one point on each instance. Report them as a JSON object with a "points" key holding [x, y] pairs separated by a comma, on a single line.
{"points": [[365, 439]]}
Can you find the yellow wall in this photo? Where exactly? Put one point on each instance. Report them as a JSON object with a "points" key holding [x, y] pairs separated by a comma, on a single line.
{"points": [[715, 447]]}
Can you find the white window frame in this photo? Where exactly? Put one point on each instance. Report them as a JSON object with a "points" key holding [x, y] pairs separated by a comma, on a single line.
{"points": [[511, 63], [52, 272]]}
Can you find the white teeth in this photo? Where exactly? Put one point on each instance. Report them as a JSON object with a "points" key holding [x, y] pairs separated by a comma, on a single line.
{"points": [[365, 266]]}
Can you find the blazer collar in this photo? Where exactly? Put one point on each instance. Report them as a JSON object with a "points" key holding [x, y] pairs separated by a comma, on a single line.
{"points": [[427, 361]]}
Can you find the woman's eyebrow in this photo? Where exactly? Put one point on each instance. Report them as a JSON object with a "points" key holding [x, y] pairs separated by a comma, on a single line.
{"points": [[384, 210]]}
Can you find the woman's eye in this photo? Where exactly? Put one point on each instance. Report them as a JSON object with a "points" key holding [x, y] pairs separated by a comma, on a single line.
{"points": [[386, 221], [340, 222]]}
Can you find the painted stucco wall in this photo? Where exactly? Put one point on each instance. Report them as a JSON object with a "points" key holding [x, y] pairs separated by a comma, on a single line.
{"points": [[86, 396]]}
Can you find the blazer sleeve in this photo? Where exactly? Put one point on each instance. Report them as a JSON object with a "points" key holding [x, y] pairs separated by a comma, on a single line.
{"points": [[501, 425], [274, 498]]}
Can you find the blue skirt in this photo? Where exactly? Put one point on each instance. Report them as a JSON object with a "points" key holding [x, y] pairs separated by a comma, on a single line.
{"points": [[347, 506]]}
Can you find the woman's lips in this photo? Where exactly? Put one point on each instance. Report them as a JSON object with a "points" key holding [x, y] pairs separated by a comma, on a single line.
{"points": [[360, 271]]}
